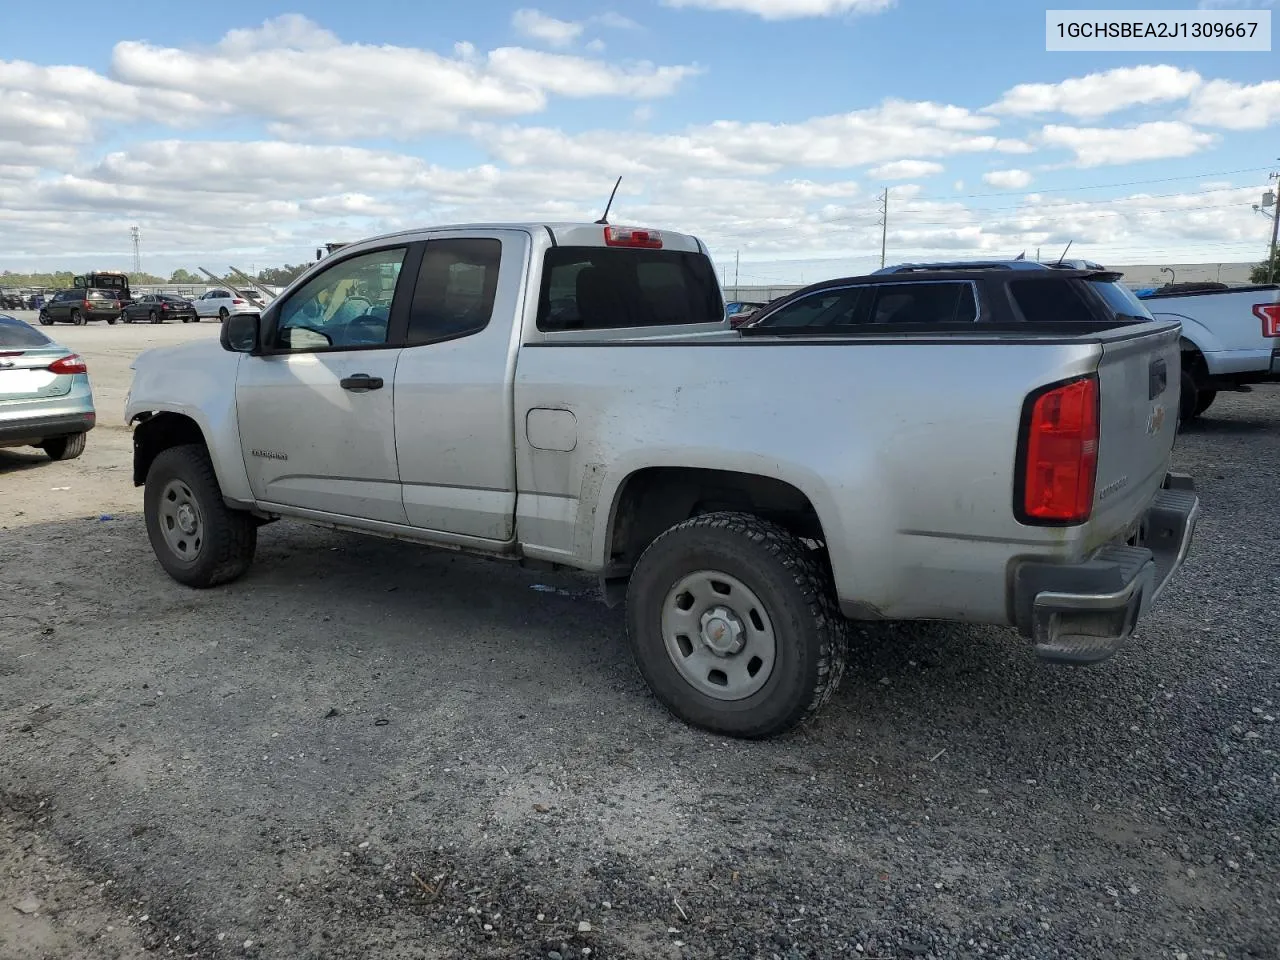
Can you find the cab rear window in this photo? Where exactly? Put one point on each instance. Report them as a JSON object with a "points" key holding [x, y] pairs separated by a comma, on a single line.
{"points": [[598, 288]]}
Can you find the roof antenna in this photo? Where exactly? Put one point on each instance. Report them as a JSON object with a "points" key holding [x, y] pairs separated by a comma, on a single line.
{"points": [[609, 206], [1064, 252]]}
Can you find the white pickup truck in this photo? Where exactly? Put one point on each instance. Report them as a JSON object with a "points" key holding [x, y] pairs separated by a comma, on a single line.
{"points": [[984, 445], [1230, 339]]}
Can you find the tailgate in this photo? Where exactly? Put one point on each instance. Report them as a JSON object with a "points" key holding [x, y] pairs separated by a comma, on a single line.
{"points": [[1138, 380]]}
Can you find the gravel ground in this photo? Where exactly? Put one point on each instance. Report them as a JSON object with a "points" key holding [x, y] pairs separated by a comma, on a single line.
{"points": [[370, 749]]}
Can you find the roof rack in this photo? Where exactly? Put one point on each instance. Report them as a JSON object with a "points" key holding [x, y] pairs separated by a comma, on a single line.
{"points": [[961, 265]]}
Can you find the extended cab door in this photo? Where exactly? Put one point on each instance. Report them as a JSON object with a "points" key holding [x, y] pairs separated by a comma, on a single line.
{"points": [[454, 389], [315, 410]]}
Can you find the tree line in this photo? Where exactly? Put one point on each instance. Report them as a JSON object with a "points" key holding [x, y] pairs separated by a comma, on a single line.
{"points": [[59, 279]]}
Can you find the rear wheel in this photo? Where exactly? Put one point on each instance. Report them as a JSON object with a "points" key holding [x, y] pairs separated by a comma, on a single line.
{"points": [[734, 624], [64, 448], [154, 317], [223, 314], [77, 318], [197, 538]]}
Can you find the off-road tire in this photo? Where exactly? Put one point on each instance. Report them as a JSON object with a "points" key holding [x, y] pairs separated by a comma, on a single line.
{"points": [[797, 590], [229, 536]]}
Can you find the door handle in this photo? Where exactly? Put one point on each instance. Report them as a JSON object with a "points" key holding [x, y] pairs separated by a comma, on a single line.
{"points": [[360, 382]]}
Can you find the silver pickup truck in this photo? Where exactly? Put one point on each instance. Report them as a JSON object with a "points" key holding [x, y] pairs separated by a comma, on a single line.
{"points": [[893, 447]]}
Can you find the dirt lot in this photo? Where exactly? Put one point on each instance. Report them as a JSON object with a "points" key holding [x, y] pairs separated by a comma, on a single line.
{"points": [[367, 749]]}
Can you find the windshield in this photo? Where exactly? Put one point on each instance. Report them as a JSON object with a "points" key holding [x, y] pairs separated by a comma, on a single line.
{"points": [[1121, 299]]}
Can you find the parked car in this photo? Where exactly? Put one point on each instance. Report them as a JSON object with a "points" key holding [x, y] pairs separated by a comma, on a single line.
{"points": [[79, 306], [1230, 339], [159, 307], [11, 299], [1004, 464], [45, 397], [222, 303]]}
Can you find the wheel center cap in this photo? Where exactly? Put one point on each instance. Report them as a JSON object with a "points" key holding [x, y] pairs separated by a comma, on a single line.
{"points": [[187, 519], [722, 632]]}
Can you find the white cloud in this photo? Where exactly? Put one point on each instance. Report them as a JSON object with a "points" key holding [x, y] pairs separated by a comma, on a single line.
{"points": [[615, 21], [1007, 179], [1098, 146], [906, 169], [1236, 106], [788, 9], [539, 26], [1098, 94], [579, 77], [370, 91], [895, 130]]}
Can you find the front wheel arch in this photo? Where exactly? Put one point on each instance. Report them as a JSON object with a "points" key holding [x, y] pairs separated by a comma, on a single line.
{"points": [[156, 434]]}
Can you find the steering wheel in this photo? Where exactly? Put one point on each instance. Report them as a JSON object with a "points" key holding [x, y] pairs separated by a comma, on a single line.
{"points": [[366, 329]]}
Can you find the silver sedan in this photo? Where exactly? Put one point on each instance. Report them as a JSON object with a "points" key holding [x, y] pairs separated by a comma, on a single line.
{"points": [[45, 398]]}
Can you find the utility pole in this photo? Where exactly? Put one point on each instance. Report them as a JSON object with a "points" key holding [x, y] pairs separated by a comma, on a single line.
{"points": [[884, 223], [737, 254], [137, 254], [1275, 228]]}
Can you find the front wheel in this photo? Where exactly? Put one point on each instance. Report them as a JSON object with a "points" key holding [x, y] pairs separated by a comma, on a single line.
{"points": [[734, 624], [198, 539], [111, 322], [45, 321], [1204, 400], [77, 318]]}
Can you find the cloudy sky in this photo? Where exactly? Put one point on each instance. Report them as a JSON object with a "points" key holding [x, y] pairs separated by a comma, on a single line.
{"points": [[249, 132]]}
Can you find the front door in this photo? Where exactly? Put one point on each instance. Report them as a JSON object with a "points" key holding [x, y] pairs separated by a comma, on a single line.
{"points": [[315, 410]]}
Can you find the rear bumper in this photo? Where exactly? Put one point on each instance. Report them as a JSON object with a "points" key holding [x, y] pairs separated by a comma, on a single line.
{"points": [[31, 430], [1084, 612]]}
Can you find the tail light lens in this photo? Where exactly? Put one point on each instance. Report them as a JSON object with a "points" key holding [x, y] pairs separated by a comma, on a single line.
{"points": [[237, 301], [632, 237], [71, 364], [164, 306], [1060, 447], [1269, 314], [88, 305]]}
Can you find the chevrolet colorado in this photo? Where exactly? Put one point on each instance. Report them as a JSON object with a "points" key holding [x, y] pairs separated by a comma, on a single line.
{"points": [[894, 447]]}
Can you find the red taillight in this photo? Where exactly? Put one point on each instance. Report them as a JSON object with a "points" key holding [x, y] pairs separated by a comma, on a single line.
{"points": [[71, 364], [237, 301], [88, 305], [631, 237], [1060, 443], [164, 306], [1269, 314]]}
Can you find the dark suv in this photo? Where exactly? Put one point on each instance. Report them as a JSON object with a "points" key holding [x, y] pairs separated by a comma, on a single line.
{"points": [[79, 306]]}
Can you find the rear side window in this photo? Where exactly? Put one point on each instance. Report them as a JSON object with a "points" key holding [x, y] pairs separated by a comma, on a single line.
{"points": [[598, 288], [457, 284], [99, 295], [926, 303], [15, 333], [1051, 300]]}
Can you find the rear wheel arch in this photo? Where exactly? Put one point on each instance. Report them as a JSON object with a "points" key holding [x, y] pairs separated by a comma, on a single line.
{"points": [[651, 500]]}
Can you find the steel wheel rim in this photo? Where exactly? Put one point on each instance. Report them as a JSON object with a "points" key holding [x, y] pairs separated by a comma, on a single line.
{"points": [[718, 635], [181, 522]]}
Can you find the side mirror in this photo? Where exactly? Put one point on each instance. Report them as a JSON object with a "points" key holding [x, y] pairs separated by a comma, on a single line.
{"points": [[240, 333]]}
